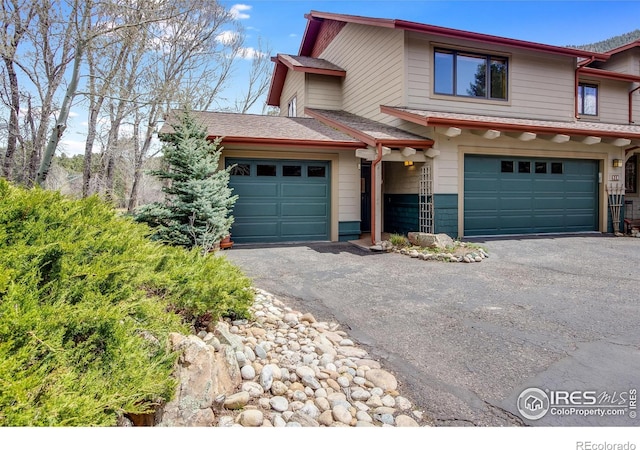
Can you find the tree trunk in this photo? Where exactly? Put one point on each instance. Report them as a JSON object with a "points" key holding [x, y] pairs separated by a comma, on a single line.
{"points": [[14, 129], [61, 123]]}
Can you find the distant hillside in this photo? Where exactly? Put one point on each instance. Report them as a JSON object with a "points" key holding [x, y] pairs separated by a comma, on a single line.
{"points": [[611, 43]]}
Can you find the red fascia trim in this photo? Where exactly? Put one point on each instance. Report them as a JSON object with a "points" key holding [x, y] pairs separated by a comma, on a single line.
{"points": [[277, 83], [599, 73], [482, 125], [310, 35], [623, 48], [306, 69], [368, 139], [459, 34], [498, 40], [280, 142]]}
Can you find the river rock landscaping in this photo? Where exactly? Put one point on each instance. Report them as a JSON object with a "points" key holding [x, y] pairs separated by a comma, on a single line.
{"points": [[435, 247], [282, 369]]}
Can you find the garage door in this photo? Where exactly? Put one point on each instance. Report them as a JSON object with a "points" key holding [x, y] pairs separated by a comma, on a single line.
{"points": [[506, 195], [280, 200]]}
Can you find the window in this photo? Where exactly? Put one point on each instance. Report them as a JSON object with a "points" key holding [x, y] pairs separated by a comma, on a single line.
{"points": [[291, 108], [291, 171], [588, 99], [470, 75], [243, 170], [631, 175], [266, 170], [541, 167], [557, 168], [524, 167], [506, 167], [316, 171]]}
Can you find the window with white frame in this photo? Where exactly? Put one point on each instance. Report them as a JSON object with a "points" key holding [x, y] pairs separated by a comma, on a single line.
{"points": [[291, 108]]}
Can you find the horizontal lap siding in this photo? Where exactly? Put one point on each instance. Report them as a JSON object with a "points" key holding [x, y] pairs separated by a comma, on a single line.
{"points": [[541, 87], [324, 92], [374, 60], [349, 187], [293, 85]]}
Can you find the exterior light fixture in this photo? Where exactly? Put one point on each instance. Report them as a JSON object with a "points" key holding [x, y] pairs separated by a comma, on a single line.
{"points": [[617, 163], [408, 163]]}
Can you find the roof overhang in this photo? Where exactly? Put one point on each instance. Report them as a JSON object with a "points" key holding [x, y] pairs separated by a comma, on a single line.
{"points": [[368, 139], [283, 63], [503, 124], [287, 143], [599, 73], [624, 48], [315, 18]]}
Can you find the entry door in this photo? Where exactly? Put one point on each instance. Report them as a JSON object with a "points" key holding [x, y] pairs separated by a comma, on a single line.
{"points": [[365, 197]]}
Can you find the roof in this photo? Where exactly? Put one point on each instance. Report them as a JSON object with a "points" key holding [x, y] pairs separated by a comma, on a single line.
{"points": [[313, 30], [297, 64], [369, 131], [625, 47], [311, 34], [269, 130], [471, 121]]}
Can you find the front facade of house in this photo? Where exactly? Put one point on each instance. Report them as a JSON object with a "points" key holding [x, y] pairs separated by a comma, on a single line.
{"points": [[395, 126]]}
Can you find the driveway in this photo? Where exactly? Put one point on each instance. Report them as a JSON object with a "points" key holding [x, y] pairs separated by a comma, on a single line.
{"points": [[561, 314]]}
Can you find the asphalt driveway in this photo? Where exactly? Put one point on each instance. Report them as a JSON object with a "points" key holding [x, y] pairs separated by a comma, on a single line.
{"points": [[561, 314]]}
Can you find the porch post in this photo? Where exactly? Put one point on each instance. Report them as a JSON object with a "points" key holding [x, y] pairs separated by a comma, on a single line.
{"points": [[377, 185]]}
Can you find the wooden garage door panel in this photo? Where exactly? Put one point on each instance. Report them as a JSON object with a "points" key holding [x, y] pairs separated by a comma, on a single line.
{"points": [[520, 203], [287, 206]]}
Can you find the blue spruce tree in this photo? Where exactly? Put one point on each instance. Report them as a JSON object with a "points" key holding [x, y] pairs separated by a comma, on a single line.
{"points": [[197, 208]]}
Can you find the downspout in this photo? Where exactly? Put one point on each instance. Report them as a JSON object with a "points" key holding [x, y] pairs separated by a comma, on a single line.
{"points": [[631, 103], [577, 82], [374, 188]]}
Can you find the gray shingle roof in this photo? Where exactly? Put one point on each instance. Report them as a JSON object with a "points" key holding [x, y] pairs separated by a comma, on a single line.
{"points": [[265, 127], [309, 62]]}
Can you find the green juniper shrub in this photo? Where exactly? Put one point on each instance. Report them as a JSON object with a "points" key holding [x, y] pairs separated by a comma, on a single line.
{"points": [[86, 305]]}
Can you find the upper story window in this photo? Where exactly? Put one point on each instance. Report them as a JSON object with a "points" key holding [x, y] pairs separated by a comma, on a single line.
{"points": [[588, 99], [291, 108], [467, 74]]}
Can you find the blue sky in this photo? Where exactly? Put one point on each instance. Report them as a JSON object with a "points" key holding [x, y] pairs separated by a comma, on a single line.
{"points": [[281, 24]]}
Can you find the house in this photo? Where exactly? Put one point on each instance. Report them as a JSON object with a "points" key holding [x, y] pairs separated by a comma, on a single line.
{"points": [[395, 126]]}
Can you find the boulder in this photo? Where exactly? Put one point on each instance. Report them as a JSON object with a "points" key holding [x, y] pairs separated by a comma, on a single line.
{"points": [[430, 240], [203, 374]]}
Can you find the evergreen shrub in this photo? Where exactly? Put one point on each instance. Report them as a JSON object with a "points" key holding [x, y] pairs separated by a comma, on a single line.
{"points": [[86, 305]]}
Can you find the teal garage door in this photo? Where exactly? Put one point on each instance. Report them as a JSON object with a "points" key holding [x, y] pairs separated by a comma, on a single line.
{"points": [[280, 200], [507, 195]]}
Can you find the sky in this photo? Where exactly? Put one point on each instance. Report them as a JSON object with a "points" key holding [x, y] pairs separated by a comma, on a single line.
{"points": [[281, 24]]}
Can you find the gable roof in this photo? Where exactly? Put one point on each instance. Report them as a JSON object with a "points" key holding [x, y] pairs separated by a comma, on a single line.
{"points": [[315, 20], [625, 47], [304, 64], [252, 129], [310, 34]]}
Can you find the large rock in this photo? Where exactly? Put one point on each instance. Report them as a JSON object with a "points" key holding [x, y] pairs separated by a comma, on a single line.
{"points": [[430, 240], [202, 375], [382, 379]]}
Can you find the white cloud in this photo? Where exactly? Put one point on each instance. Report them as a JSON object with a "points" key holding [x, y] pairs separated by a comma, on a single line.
{"points": [[228, 37], [250, 53], [293, 35], [237, 11], [73, 114]]}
